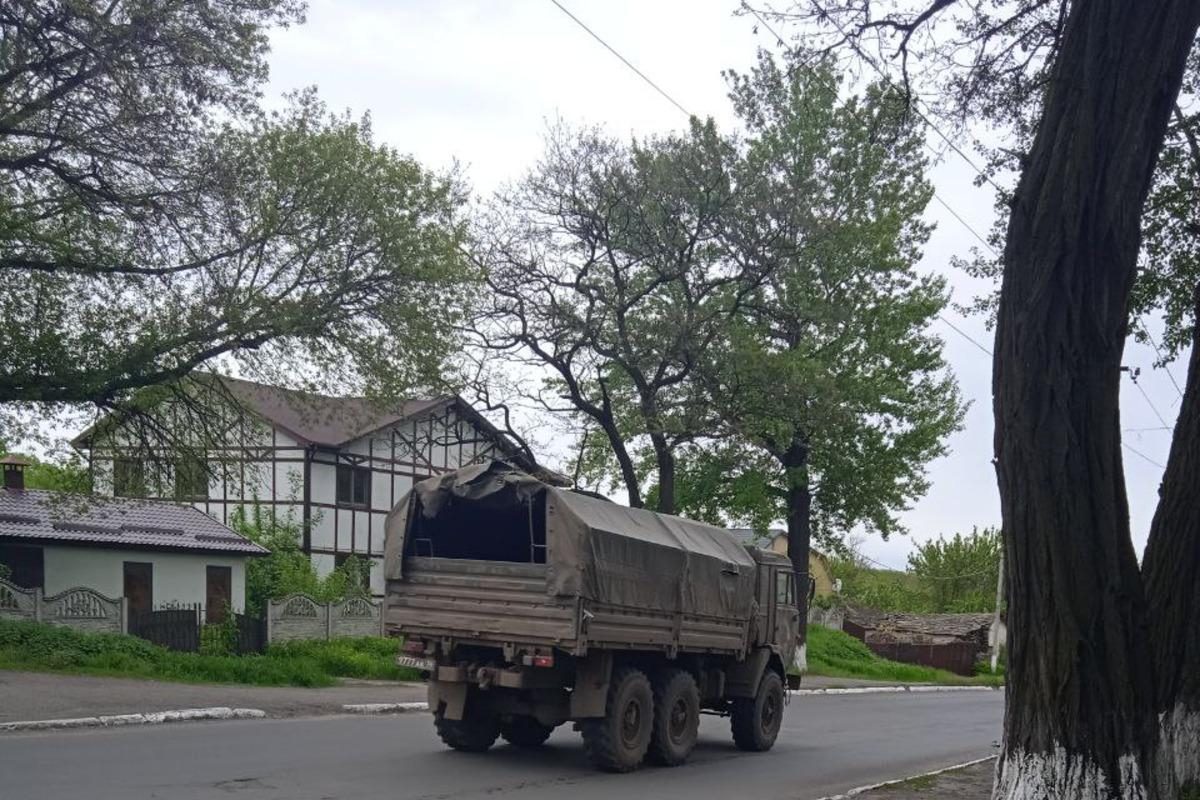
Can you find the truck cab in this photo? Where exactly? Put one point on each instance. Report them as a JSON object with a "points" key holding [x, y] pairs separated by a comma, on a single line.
{"points": [[778, 619]]}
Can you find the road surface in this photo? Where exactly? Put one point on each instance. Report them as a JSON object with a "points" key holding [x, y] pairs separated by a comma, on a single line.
{"points": [[829, 744]]}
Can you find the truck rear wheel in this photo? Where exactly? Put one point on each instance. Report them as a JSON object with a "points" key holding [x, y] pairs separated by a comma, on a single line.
{"points": [[474, 733], [618, 741], [756, 720], [525, 732], [676, 718]]}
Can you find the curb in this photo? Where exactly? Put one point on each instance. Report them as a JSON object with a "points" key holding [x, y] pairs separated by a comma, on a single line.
{"points": [[895, 689], [152, 718], [384, 708], [882, 784]]}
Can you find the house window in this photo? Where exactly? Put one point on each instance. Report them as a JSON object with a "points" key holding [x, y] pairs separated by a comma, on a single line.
{"points": [[129, 478], [353, 486], [191, 479], [25, 564]]}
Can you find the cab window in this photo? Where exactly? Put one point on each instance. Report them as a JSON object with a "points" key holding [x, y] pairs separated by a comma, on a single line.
{"points": [[784, 592]]}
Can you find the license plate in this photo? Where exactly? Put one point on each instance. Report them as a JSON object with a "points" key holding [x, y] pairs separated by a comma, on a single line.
{"points": [[422, 664]]}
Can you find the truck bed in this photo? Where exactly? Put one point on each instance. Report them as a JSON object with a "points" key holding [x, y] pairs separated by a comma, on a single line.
{"points": [[495, 603]]}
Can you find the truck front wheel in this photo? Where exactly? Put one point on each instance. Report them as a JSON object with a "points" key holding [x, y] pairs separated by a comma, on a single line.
{"points": [[618, 741], [525, 732], [474, 733], [676, 718], [756, 720]]}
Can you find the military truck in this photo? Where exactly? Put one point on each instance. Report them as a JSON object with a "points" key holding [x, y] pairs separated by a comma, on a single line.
{"points": [[530, 606]]}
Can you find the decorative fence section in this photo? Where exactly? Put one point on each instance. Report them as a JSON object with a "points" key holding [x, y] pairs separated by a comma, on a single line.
{"points": [[173, 628], [183, 628], [298, 616], [80, 608]]}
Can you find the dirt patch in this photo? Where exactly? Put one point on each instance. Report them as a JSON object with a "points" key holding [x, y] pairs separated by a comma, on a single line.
{"points": [[969, 783]]}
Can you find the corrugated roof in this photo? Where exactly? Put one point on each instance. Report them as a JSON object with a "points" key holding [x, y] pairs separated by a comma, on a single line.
{"points": [[115, 521]]}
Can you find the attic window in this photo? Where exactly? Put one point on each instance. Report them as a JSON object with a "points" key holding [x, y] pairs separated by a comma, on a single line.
{"points": [[353, 486], [129, 478]]}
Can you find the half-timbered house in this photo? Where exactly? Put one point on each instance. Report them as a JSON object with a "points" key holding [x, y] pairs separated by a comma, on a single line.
{"points": [[335, 466]]}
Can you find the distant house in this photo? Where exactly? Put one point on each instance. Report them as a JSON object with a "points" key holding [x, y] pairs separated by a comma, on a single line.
{"points": [[153, 553], [777, 541], [335, 466], [956, 642]]}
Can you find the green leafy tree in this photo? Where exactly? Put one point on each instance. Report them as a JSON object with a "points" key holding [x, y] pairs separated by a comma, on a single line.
{"points": [[605, 271], [829, 375], [959, 573], [154, 221], [288, 569], [68, 474]]}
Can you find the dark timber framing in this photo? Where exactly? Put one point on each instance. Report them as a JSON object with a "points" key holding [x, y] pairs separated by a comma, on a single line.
{"points": [[439, 438]]}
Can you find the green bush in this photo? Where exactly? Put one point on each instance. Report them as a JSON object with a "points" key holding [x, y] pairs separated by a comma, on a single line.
{"points": [[35, 646], [837, 654], [371, 657]]}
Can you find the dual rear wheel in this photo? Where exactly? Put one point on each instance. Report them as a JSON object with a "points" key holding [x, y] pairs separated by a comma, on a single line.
{"points": [[653, 721]]}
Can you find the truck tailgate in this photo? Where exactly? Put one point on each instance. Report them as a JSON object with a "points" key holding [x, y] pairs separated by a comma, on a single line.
{"points": [[485, 601]]}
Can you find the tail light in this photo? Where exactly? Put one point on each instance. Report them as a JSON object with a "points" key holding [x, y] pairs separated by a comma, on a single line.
{"points": [[414, 647], [541, 660]]}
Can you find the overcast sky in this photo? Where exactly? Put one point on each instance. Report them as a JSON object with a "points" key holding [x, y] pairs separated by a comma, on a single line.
{"points": [[475, 81]]}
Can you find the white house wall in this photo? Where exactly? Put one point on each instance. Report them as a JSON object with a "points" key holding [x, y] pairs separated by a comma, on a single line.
{"points": [[177, 577], [269, 470]]}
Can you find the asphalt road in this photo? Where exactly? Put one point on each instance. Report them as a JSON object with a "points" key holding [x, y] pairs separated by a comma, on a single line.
{"points": [[829, 744]]}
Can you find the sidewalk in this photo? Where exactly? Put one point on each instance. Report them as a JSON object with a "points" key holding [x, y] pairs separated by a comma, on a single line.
{"points": [[38, 695], [41, 696]]}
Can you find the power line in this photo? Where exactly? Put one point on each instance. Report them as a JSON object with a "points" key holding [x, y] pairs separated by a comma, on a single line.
{"points": [[892, 84], [1142, 324], [1145, 457], [624, 60], [965, 335], [1149, 402]]}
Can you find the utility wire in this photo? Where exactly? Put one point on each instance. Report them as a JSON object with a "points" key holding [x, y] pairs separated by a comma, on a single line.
{"points": [[978, 236], [1142, 324], [946, 205], [622, 58], [965, 335], [891, 84], [883, 74], [1150, 402], [1145, 457]]}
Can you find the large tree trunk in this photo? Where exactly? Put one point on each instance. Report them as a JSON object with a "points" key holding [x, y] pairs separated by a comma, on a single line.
{"points": [[1079, 721], [799, 528], [665, 462], [1171, 570]]}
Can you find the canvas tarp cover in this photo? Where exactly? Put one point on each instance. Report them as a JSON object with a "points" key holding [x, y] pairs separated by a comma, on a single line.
{"points": [[597, 549]]}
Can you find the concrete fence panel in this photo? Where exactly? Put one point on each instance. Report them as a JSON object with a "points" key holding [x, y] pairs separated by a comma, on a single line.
{"points": [[299, 616], [17, 602], [79, 607]]}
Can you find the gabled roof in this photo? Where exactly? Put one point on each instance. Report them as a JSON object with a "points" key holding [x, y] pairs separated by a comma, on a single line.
{"points": [[750, 536], [327, 421], [321, 419], [91, 520]]}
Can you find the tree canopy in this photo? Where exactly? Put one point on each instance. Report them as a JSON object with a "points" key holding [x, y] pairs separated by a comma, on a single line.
{"points": [[155, 221]]}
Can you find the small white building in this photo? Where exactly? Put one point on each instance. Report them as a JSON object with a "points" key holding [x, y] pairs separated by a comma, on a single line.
{"points": [[152, 552], [333, 466]]}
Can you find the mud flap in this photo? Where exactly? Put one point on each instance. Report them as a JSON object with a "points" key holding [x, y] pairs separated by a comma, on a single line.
{"points": [[453, 696], [742, 678], [589, 698]]}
